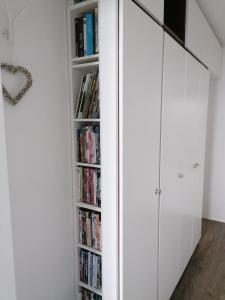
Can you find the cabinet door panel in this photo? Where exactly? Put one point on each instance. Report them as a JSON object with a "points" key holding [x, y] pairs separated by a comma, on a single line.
{"points": [[198, 128], [154, 7], [191, 103], [175, 211], [140, 107], [184, 113]]}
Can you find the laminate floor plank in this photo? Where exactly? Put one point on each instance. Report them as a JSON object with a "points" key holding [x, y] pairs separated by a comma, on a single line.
{"points": [[204, 277]]}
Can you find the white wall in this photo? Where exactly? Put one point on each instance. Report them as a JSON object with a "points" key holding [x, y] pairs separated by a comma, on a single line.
{"points": [[214, 194], [39, 156]]}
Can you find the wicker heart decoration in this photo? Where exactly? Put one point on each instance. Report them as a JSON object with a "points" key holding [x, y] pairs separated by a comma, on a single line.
{"points": [[14, 70]]}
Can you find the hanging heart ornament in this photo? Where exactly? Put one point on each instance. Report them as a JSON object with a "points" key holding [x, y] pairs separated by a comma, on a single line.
{"points": [[15, 70]]}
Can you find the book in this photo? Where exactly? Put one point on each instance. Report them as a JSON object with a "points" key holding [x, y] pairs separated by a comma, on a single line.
{"points": [[89, 33], [91, 269], [88, 142], [86, 31], [87, 105], [96, 30], [85, 35], [90, 228], [79, 37], [89, 185]]}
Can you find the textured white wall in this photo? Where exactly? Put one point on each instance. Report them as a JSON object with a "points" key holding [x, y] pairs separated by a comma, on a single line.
{"points": [[39, 156], [214, 194]]}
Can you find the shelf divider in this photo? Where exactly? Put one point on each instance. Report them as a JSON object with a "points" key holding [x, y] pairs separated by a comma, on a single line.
{"points": [[86, 286], [80, 164], [90, 249], [83, 6], [88, 206]]}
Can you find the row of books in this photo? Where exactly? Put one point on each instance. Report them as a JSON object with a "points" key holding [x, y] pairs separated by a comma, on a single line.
{"points": [[88, 99], [86, 31], [90, 228], [89, 186], [91, 269], [78, 1], [87, 295], [88, 144]]}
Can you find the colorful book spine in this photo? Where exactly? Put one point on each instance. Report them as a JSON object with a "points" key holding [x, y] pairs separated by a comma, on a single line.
{"points": [[90, 33], [85, 35], [96, 30], [90, 228], [90, 269], [79, 37], [88, 142]]}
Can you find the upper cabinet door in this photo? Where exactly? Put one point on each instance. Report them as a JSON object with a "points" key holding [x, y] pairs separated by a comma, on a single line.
{"points": [[154, 7], [141, 56], [201, 40]]}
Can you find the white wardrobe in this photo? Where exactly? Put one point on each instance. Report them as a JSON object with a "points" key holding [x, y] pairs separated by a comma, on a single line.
{"points": [[162, 129], [184, 115]]}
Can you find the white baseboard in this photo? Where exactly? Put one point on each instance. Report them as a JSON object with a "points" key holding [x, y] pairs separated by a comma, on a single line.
{"points": [[214, 219]]}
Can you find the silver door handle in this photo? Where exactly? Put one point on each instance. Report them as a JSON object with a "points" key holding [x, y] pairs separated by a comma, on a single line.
{"points": [[196, 165]]}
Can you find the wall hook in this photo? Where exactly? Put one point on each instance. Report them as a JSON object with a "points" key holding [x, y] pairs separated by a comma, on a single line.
{"points": [[8, 28]]}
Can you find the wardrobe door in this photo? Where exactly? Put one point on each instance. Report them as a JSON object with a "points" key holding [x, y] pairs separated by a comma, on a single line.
{"points": [[198, 128], [175, 216], [188, 200], [154, 7], [141, 54]]}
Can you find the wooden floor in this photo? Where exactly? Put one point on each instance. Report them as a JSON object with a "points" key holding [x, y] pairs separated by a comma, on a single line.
{"points": [[204, 277]]}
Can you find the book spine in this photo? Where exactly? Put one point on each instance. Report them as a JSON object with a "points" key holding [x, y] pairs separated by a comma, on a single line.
{"points": [[77, 48], [89, 33], [78, 183], [85, 35], [81, 37], [96, 30]]}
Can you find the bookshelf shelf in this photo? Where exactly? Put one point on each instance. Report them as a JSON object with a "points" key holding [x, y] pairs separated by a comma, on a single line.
{"points": [[85, 60], [86, 286], [79, 164], [89, 65], [81, 246], [89, 206], [87, 120], [83, 6]]}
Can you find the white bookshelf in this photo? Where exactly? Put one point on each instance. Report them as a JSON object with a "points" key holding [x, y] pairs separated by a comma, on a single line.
{"points": [[79, 66], [82, 7]]}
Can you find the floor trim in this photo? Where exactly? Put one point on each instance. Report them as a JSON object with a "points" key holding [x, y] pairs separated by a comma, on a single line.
{"points": [[212, 218]]}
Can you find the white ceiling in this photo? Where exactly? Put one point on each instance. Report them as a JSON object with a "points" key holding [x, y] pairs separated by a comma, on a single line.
{"points": [[214, 10]]}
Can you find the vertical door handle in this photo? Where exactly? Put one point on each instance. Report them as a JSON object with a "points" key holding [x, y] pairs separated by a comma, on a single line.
{"points": [[196, 165], [157, 191]]}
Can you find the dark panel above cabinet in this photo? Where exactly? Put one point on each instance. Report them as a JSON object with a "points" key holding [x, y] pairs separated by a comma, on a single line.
{"points": [[175, 18]]}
